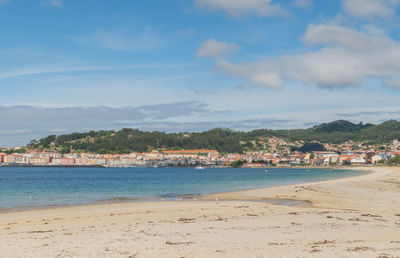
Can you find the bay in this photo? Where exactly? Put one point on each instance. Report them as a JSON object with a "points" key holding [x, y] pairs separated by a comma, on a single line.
{"points": [[26, 188]]}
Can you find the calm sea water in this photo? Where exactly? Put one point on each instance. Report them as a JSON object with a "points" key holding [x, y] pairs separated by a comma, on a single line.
{"points": [[22, 188]]}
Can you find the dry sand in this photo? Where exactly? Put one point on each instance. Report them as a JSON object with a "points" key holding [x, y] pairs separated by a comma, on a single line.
{"points": [[351, 217]]}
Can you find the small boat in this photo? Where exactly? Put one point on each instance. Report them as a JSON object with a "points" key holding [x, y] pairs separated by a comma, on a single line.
{"points": [[266, 171], [199, 167]]}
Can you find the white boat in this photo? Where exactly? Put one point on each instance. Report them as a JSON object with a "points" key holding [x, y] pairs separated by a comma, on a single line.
{"points": [[199, 167]]}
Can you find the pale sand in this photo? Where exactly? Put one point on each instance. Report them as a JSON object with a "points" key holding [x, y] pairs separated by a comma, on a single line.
{"points": [[351, 217]]}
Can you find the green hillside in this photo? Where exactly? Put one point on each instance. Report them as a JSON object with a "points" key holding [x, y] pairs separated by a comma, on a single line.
{"points": [[223, 140]]}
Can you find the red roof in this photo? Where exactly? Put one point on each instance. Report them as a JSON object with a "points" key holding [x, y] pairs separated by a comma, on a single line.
{"points": [[176, 152]]}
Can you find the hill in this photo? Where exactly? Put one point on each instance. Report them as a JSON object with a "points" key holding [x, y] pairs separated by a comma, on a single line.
{"points": [[340, 126], [223, 140]]}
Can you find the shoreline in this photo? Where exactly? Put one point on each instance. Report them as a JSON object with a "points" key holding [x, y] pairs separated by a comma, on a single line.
{"points": [[186, 197], [239, 192], [231, 195], [189, 166], [293, 192], [348, 217], [51, 166]]}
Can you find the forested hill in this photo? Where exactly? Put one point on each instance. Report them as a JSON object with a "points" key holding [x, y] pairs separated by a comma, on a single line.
{"points": [[223, 140]]}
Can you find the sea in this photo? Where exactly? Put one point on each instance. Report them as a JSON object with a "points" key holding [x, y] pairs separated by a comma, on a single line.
{"points": [[38, 187]]}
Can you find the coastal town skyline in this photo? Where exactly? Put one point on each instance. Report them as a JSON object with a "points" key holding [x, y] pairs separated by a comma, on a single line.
{"points": [[279, 153], [339, 143], [195, 65]]}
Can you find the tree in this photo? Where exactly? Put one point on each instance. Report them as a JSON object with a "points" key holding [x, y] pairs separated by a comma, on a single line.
{"points": [[45, 142], [394, 161], [221, 139], [238, 163], [309, 147]]}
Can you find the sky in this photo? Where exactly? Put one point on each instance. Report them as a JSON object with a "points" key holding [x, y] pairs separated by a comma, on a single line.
{"points": [[194, 65]]}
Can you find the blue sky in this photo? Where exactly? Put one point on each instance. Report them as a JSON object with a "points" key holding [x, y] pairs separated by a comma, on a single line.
{"points": [[192, 65]]}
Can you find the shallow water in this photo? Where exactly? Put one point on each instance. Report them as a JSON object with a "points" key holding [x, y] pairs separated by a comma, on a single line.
{"points": [[22, 188]]}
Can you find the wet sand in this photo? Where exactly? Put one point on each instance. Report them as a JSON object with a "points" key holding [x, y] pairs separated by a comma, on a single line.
{"points": [[357, 216]]}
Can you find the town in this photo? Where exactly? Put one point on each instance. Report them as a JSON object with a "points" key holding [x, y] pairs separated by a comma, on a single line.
{"points": [[272, 151]]}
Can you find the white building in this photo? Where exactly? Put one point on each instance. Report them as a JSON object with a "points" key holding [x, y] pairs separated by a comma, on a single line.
{"points": [[357, 161]]}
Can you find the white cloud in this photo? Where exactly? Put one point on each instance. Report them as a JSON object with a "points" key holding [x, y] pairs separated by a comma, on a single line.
{"points": [[303, 3], [373, 30], [344, 57], [216, 49], [240, 8], [54, 3], [370, 8], [271, 80]]}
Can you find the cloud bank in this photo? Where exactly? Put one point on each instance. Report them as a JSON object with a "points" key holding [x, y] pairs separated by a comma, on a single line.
{"points": [[25, 123], [339, 57]]}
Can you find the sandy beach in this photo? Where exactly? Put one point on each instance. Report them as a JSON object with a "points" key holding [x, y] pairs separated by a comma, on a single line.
{"points": [[351, 217]]}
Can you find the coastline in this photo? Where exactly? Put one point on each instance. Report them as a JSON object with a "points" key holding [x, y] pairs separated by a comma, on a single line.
{"points": [[264, 193], [200, 196], [352, 216], [235, 195]]}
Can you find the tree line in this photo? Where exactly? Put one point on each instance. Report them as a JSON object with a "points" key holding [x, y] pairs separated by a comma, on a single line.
{"points": [[224, 140]]}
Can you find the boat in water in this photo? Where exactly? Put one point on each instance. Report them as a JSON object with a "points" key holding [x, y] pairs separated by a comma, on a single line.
{"points": [[199, 167]]}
